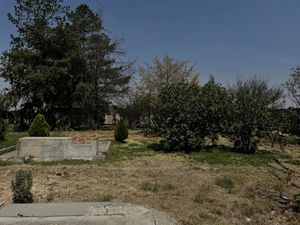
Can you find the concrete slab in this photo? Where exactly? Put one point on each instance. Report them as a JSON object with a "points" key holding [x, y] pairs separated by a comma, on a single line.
{"points": [[102, 213], [61, 148]]}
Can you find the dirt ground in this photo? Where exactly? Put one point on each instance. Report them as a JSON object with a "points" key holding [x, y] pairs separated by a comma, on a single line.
{"points": [[193, 193]]}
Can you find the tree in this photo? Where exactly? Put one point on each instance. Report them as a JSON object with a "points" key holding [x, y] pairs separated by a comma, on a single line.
{"points": [[136, 109], [105, 78], [181, 117], [251, 114], [293, 85], [217, 101], [160, 73], [121, 131], [39, 127], [62, 63]]}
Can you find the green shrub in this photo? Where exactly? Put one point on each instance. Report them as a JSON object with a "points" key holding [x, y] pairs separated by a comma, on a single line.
{"points": [[121, 131], [3, 128], [21, 187], [187, 113], [39, 127]]}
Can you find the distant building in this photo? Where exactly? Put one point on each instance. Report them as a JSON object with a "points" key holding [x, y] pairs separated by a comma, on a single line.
{"points": [[111, 119]]}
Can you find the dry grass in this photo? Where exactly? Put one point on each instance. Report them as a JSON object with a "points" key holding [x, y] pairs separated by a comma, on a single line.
{"points": [[187, 189]]}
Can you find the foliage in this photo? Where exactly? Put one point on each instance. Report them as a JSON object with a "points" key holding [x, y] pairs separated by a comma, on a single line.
{"points": [[39, 127], [3, 129], [62, 63], [217, 101], [11, 139], [217, 157], [225, 182], [180, 117], [136, 110], [187, 113], [21, 187], [293, 85], [121, 131], [159, 73], [251, 112]]}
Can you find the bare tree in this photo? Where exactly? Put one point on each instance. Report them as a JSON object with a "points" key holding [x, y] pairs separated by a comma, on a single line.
{"points": [[161, 72], [293, 86]]}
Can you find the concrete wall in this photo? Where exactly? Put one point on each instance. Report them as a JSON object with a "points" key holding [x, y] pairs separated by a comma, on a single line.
{"points": [[60, 148]]}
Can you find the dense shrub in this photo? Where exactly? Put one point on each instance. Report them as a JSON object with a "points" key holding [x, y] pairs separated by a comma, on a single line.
{"points": [[121, 131], [251, 112], [180, 117], [21, 187], [3, 128], [39, 127]]}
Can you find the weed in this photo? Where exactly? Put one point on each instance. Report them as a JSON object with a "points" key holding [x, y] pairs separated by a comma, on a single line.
{"points": [[50, 197], [232, 158], [294, 162], [250, 193], [105, 198], [21, 187], [246, 209], [150, 187], [202, 194], [200, 197], [278, 186], [225, 182]]}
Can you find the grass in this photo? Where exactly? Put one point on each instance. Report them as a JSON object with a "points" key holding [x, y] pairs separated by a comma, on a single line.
{"points": [[105, 198], [11, 139], [122, 151], [197, 188], [217, 157], [225, 182]]}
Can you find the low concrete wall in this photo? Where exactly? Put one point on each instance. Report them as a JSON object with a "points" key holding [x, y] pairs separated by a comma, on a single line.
{"points": [[60, 148]]}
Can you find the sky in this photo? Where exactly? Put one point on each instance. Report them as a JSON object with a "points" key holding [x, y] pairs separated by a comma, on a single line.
{"points": [[226, 38]]}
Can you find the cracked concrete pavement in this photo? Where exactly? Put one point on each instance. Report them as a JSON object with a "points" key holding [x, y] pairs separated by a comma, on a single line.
{"points": [[104, 213]]}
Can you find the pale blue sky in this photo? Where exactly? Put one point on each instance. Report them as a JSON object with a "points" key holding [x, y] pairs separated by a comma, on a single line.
{"points": [[227, 38]]}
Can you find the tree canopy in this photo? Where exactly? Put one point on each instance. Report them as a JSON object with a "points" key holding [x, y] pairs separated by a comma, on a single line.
{"points": [[62, 63]]}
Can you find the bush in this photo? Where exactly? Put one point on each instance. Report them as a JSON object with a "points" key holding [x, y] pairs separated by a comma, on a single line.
{"points": [[179, 117], [251, 112], [21, 187], [39, 127], [121, 131], [3, 128]]}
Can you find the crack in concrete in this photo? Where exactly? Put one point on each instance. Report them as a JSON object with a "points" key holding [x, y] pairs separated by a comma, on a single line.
{"points": [[154, 220], [112, 214]]}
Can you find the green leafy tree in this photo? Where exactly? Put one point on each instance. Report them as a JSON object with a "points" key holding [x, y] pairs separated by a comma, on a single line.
{"points": [[21, 187], [180, 117], [39, 127], [121, 131], [217, 101], [251, 114]]}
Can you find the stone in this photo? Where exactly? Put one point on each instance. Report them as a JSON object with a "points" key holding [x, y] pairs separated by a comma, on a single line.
{"points": [[104, 213]]}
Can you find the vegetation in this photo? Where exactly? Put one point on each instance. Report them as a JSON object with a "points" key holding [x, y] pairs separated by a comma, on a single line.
{"points": [[21, 187], [121, 131], [180, 117], [3, 128], [62, 63], [39, 127], [251, 114], [293, 85]]}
